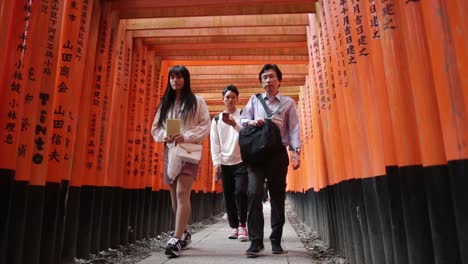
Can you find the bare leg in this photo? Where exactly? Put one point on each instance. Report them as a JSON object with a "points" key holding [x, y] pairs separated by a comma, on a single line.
{"points": [[173, 188], [183, 190]]}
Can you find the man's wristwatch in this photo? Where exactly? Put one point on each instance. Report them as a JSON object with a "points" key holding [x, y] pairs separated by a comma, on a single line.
{"points": [[297, 150]]}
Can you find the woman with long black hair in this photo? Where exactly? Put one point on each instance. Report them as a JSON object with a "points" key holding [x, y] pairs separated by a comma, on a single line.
{"points": [[179, 102]]}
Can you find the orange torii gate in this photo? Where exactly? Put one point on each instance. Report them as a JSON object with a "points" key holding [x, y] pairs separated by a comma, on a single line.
{"points": [[380, 87]]}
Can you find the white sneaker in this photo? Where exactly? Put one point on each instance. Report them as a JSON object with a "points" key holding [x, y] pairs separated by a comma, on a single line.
{"points": [[233, 234], [173, 248], [242, 234]]}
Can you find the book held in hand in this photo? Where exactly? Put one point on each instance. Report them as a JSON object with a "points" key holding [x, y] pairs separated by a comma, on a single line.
{"points": [[172, 127]]}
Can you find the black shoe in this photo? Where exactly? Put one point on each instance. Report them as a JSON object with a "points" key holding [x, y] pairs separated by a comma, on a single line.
{"points": [[256, 247], [276, 247], [186, 241], [173, 248]]}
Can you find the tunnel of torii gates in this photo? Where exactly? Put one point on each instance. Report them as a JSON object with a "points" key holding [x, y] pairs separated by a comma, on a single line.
{"points": [[381, 89]]}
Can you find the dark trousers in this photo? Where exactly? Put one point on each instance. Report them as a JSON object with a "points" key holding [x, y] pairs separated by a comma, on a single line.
{"points": [[274, 171], [234, 179]]}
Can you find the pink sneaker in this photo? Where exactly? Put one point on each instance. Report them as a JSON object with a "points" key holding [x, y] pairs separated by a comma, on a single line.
{"points": [[233, 234], [242, 234]]}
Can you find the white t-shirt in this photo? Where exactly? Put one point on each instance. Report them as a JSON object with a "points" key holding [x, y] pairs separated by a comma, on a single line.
{"points": [[225, 141]]}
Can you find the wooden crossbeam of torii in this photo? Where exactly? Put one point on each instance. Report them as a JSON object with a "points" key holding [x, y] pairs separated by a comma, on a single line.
{"points": [[218, 21], [228, 31], [185, 8], [221, 39], [216, 85], [245, 69]]}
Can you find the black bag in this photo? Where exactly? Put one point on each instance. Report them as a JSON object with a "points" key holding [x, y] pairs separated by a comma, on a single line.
{"points": [[259, 144]]}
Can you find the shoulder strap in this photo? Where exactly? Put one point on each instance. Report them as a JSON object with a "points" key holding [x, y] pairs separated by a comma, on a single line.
{"points": [[267, 110]]}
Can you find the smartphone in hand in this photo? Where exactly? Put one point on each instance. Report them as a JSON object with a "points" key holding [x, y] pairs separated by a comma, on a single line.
{"points": [[228, 120], [225, 117]]}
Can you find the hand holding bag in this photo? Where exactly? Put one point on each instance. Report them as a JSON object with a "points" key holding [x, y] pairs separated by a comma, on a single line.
{"points": [[189, 152], [258, 144], [174, 163]]}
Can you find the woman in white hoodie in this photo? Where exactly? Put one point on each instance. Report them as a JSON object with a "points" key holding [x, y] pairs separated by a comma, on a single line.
{"points": [[179, 102]]}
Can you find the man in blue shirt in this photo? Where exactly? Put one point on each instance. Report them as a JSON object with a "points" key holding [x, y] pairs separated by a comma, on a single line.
{"points": [[285, 116]]}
